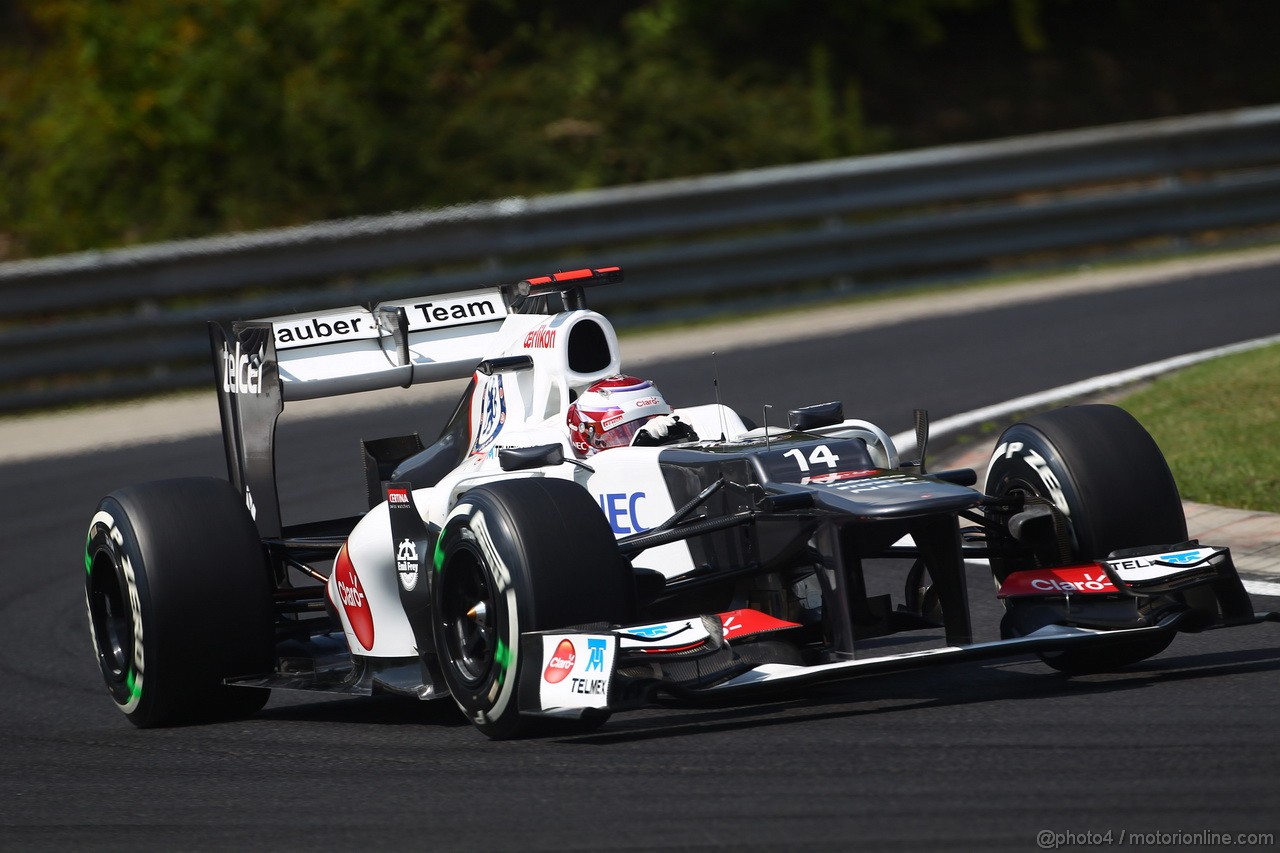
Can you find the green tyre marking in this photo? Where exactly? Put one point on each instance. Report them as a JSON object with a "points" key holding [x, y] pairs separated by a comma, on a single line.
{"points": [[502, 657]]}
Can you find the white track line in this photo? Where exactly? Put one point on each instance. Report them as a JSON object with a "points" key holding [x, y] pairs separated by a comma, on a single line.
{"points": [[906, 441], [1254, 587]]}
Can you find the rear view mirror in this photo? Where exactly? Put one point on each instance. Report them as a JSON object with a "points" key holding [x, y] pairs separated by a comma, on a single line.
{"points": [[523, 458], [820, 415]]}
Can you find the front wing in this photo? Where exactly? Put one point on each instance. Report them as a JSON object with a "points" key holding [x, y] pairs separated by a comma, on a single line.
{"points": [[732, 655]]}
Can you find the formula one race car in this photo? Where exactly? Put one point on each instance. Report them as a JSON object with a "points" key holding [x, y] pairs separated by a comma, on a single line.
{"points": [[519, 569]]}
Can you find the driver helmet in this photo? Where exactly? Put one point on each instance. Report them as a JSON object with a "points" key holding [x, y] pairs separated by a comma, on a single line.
{"points": [[611, 411]]}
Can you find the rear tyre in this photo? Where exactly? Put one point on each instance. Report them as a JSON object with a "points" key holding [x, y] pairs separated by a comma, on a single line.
{"points": [[1103, 470], [179, 599], [522, 555]]}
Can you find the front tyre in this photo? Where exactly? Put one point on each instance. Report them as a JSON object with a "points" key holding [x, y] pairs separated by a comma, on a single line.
{"points": [[522, 555], [179, 599], [1103, 470]]}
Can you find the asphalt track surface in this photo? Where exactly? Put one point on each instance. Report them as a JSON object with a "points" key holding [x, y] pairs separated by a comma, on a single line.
{"points": [[962, 757]]}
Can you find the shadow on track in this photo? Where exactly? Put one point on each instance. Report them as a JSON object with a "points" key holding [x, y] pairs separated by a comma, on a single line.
{"points": [[376, 710], [960, 686]]}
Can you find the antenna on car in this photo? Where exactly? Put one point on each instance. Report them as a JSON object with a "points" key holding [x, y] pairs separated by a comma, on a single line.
{"points": [[764, 416], [715, 381]]}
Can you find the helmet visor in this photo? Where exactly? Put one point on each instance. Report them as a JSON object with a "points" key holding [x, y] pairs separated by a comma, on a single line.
{"points": [[621, 435]]}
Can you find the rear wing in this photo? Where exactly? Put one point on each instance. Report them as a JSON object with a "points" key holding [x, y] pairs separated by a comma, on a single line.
{"points": [[259, 365]]}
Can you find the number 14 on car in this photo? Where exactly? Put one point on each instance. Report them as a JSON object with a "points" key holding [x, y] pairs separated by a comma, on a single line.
{"points": [[820, 455]]}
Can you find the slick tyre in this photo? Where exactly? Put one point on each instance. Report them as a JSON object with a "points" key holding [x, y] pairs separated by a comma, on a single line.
{"points": [[522, 555], [1104, 471], [179, 599]]}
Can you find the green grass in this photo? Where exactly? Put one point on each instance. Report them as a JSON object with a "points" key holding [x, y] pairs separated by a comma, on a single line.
{"points": [[1218, 424]]}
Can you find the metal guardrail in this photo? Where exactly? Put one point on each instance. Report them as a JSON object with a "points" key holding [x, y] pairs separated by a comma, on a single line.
{"points": [[129, 321]]}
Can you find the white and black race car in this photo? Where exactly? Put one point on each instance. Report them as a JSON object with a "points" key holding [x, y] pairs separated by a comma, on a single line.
{"points": [[501, 568]]}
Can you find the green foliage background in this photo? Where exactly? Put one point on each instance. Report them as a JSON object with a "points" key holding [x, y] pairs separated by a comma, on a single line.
{"points": [[125, 121]]}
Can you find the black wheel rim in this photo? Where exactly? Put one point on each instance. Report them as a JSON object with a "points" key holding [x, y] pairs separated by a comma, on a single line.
{"points": [[1017, 484], [112, 617], [468, 617]]}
